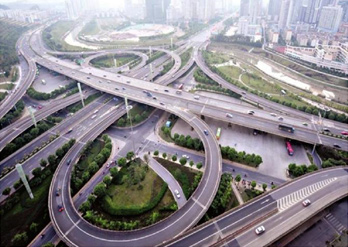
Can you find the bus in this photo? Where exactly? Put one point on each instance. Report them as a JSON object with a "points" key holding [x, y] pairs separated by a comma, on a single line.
{"points": [[289, 148], [287, 128], [218, 133], [181, 86]]}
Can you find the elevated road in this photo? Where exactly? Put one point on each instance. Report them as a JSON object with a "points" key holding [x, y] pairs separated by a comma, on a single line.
{"points": [[77, 232], [313, 186]]}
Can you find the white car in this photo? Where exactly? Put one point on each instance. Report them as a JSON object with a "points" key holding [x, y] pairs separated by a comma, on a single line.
{"points": [[273, 114], [306, 202], [177, 193], [229, 115], [186, 156], [260, 230]]}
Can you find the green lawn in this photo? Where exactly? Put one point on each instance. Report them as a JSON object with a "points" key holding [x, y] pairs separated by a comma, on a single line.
{"points": [[125, 195], [96, 147], [215, 58], [26, 211], [260, 84], [288, 99], [231, 71], [91, 28], [6, 86], [185, 57], [2, 96], [108, 61], [249, 194], [53, 35], [77, 106]]}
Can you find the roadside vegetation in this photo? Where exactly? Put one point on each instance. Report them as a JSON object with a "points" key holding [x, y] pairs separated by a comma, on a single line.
{"points": [[2, 97], [46, 96], [23, 218], [138, 113], [168, 66], [9, 34], [155, 55], [12, 115], [107, 61], [131, 198], [191, 28], [185, 57], [27, 136], [93, 156], [91, 28], [53, 36], [326, 153], [77, 106]]}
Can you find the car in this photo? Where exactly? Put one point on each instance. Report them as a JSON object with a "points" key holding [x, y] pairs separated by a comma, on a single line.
{"points": [[206, 132], [90, 73], [58, 192], [196, 97], [116, 89], [60, 208], [123, 88], [256, 132], [273, 114], [336, 145], [326, 130], [39, 107], [166, 90], [104, 75], [280, 118], [108, 82], [251, 112], [88, 77], [68, 162], [260, 230], [96, 111], [345, 133], [100, 82], [186, 156], [154, 97], [162, 103], [34, 106], [244, 93], [156, 89], [177, 193], [118, 76], [306, 202], [305, 124], [108, 165], [144, 91], [128, 81], [173, 76], [229, 115]]}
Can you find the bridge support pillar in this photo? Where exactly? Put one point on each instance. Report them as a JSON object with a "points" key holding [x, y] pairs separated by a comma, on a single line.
{"points": [[81, 94], [21, 173], [32, 115]]}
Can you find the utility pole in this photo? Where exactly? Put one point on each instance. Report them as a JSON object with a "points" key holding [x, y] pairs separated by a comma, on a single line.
{"points": [[81, 94], [24, 179], [128, 108], [151, 72], [171, 43], [32, 115], [150, 52], [115, 62]]}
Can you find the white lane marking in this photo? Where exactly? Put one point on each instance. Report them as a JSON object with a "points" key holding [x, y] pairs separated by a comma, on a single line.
{"points": [[200, 204], [72, 227], [265, 201], [218, 229]]}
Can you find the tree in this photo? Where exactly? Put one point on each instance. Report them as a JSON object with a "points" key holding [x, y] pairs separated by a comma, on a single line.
{"points": [[146, 158], [27, 137], [121, 122], [156, 153], [100, 190], [85, 176], [59, 152], [6, 191], [238, 178], [52, 159], [253, 184], [43, 162], [85, 206], [37, 172], [166, 131], [122, 162], [199, 165], [33, 227], [20, 239], [107, 180], [183, 160], [191, 163], [113, 171], [100, 159], [137, 118], [264, 187], [93, 167], [17, 184], [34, 132], [164, 155], [48, 244], [130, 155], [174, 158]]}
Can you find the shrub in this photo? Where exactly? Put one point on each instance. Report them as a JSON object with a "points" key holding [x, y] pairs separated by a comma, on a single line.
{"points": [[199, 165], [156, 153]]}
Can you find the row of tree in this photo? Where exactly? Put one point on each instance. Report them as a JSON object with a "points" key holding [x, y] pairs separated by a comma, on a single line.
{"points": [[137, 118], [237, 39], [45, 96], [23, 139], [13, 114], [299, 170], [81, 175], [240, 157]]}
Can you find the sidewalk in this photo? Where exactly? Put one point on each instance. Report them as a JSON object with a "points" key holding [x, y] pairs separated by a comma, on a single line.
{"points": [[237, 194]]}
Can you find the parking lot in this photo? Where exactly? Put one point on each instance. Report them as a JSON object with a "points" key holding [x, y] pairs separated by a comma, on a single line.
{"points": [[271, 148], [52, 82]]}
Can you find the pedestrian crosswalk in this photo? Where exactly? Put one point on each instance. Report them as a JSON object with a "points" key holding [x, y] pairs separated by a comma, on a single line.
{"points": [[289, 200], [335, 223]]}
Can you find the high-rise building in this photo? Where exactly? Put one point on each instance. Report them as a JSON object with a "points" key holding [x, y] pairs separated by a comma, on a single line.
{"points": [[251, 8], [75, 8], [198, 9], [156, 10], [312, 12], [243, 24], [284, 14], [274, 9], [330, 18]]}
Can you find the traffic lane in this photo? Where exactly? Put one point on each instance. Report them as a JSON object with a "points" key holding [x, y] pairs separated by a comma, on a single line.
{"points": [[170, 180], [192, 209], [292, 215], [135, 93], [49, 236], [60, 128], [308, 180], [226, 225]]}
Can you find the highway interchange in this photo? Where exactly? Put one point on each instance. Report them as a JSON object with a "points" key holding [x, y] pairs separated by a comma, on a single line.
{"points": [[76, 231]]}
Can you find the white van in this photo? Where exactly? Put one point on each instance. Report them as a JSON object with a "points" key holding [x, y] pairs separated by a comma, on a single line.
{"points": [[94, 116], [196, 97]]}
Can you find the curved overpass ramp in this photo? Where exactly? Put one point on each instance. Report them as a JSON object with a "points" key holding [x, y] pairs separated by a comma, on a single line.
{"points": [[77, 232]]}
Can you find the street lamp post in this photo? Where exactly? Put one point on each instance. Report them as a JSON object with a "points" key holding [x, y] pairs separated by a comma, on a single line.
{"points": [[128, 108]]}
